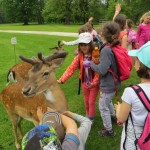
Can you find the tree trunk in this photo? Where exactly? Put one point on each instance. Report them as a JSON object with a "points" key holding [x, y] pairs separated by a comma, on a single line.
{"points": [[67, 11]]}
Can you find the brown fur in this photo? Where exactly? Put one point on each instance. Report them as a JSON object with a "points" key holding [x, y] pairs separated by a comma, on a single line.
{"points": [[40, 82], [20, 71]]}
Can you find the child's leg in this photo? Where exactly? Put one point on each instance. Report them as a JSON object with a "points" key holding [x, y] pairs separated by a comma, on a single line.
{"points": [[112, 110], [86, 93], [104, 104], [92, 101]]}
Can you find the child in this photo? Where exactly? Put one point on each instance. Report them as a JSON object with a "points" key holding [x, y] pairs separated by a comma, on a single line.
{"points": [[88, 78], [143, 31], [131, 102], [91, 26], [131, 35], [121, 20], [83, 28], [109, 34], [46, 135]]}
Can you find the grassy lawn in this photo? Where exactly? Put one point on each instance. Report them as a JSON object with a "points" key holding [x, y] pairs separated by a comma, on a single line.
{"points": [[29, 45], [45, 27]]}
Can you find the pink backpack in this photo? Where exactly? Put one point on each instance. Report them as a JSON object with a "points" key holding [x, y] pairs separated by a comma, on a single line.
{"points": [[144, 140], [131, 36], [124, 62]]}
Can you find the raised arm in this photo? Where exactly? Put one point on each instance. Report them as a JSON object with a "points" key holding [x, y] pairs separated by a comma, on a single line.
{"points": [[117, 10]]}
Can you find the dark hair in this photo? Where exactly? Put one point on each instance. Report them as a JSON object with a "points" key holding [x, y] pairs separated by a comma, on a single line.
{"points": [[130, 23], [91, 44], [111, 31], [83, 29], [143, 72], [121, 20]]}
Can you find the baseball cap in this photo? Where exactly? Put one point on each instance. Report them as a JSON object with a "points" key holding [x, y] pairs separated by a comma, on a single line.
{"points": [[85, 37], [53, 119], [143, 54], [42, 137]]}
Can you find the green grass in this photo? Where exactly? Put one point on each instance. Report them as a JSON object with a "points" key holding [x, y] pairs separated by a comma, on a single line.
{"points": [[45, 27], [29, 45]]}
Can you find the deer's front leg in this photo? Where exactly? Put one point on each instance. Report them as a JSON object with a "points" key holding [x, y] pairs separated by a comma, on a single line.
{"points": [[14, 120]]}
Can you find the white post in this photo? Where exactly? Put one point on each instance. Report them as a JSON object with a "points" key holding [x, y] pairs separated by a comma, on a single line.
{"points": [[14, 42]]}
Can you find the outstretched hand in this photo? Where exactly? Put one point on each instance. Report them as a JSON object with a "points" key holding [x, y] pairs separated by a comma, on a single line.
{"points": [[40, 113], [61, 43], [59, 81], [118, 8], [90, 85], [68, 113]]}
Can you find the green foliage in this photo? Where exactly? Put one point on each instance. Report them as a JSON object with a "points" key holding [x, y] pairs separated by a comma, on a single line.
{"points": [[68, 11], [111, 8], [133, 9], [97, 10], [23, 10], [54, 11]]}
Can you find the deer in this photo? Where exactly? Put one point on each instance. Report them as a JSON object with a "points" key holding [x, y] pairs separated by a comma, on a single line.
{"points": [[17, 74], [21, 99]]}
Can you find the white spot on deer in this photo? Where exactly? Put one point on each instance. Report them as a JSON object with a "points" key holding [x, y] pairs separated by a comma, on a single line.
{"points": [[49, 96]]}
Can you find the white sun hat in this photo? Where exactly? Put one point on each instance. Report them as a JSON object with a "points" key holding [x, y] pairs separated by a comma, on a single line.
{"points": [[85, 37]]}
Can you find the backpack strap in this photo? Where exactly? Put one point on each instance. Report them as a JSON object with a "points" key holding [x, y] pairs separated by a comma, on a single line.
{"points": [[79, 84], [115, 83], [115, 76], [142, 96], [126, 125]]}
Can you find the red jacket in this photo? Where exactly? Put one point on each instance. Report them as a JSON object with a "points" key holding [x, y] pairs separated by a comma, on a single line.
{"points": [[74, 66]]}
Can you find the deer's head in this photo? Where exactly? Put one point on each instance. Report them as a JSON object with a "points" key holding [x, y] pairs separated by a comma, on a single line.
{"points": [[41, 76]]}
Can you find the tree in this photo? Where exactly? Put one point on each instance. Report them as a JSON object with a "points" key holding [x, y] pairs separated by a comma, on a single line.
{"points": [[24, 10], [2, 13], [54, 11], [38, 7]]}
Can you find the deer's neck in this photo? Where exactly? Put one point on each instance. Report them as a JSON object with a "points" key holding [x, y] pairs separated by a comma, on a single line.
{"points": [[49, 96]]}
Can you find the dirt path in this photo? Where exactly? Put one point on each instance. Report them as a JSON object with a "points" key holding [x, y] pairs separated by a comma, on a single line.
{"points": [[43, 32]]}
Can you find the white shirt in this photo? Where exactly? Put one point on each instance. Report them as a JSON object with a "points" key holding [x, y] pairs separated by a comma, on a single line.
{"points": [[138, 110]]}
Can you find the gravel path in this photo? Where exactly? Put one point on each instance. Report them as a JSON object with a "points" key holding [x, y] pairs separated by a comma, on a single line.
{"points": [[43, 32]]}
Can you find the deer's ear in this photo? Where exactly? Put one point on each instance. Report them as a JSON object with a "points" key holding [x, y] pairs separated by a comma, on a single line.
{"points": [[57, 62]]}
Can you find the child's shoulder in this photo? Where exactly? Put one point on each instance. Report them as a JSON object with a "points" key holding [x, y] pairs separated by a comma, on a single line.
{"points": [[106, 49], [122, 34], [141, 25]]}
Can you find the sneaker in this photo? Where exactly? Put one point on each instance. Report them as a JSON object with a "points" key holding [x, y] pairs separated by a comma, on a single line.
{"points": [[105, 132]]}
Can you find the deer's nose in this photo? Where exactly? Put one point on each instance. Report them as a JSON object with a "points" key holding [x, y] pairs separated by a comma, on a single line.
{"points": [[26, 91]]}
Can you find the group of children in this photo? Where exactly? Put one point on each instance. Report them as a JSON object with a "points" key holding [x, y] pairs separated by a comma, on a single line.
{"points": [[96, 77], [118, 32]]}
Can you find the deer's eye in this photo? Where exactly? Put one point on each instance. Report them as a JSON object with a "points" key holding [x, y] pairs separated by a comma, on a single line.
{"points": [[46, 74]]}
